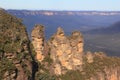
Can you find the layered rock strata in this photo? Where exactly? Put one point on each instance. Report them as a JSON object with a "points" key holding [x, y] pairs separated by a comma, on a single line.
{"points": [[66, 50], [38, 41], [15, 59]]}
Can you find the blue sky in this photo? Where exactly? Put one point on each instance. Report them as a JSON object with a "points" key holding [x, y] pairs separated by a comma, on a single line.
{"points": [[100, 5]]}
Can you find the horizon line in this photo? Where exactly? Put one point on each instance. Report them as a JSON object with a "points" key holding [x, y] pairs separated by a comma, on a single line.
{"points": [[64, 10]]}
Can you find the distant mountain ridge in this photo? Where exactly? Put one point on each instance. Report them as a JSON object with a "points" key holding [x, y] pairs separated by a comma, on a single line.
{"points": [[68, 20], [51, 13], [113, 29]]}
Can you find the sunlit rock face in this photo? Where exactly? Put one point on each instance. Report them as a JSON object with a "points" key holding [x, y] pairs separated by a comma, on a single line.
{"points": [[76, 40], [66, 50], [108, 74], [38, 41], [89, 57], [112, 73], [67, 54]]}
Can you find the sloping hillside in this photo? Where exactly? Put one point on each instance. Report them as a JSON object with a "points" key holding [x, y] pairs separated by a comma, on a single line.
{"points": [[104, 39], [15, 59], [113, 29]]}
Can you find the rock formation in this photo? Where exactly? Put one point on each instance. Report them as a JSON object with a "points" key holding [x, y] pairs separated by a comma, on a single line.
{"points": [[67, 54], [15, 59], [66, 50], [38, 41], [89, 57]]}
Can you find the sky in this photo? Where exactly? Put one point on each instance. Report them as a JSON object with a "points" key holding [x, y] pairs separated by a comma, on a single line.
{"points": [[99, 5]]}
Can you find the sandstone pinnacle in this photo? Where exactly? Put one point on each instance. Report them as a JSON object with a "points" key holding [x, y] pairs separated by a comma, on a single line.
{"points": [[38, 41]]}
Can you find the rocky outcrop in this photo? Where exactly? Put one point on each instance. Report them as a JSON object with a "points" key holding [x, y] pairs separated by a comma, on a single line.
{"points": [[66, 50], [112, 74], [38, 41], [108, 68], [89, 57], [96, 66], [67, 54], [15, 58]]}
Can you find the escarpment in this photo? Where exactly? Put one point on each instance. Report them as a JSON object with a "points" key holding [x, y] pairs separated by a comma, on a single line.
{"points": [[15, 59]]}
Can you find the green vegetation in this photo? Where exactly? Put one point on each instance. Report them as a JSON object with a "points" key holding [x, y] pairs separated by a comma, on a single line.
{"points": [[72, 75], [12, 33], [45, 76], [13, 46], [44, 70], [6, 66]]}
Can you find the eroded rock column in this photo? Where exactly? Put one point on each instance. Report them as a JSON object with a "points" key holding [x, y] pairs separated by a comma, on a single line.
{"points": [[77, 43], [66, 51], [38, 41]]}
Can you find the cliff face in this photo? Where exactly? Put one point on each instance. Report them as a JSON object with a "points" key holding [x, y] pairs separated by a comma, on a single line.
{"points": [[66, 50], [70, 62], [103, 67], [38, 41], [15, 60]]}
